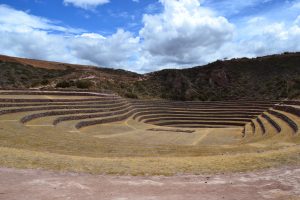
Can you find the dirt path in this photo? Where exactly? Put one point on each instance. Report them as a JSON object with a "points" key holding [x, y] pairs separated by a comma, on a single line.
{"points": [[283, 183]]}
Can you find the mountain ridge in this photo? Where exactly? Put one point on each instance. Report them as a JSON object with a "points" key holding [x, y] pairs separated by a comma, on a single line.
{"points": [[268, 77]]}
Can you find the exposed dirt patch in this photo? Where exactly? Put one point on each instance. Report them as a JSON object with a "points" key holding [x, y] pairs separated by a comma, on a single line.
{"points": [[279, 184]]}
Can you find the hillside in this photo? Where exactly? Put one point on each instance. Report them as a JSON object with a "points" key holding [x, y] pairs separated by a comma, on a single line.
{"points": [[28, 73], [269, 77]]}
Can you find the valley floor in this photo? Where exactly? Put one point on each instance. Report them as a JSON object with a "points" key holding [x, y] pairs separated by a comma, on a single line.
{"points": [[281, 183]]}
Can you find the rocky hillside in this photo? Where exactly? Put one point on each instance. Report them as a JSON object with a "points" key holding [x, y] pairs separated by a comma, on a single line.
{"points": [[28, 73], [270, 77]]}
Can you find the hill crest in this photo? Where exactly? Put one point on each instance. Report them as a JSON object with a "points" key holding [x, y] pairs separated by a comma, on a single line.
{"points": [[268, 77]]}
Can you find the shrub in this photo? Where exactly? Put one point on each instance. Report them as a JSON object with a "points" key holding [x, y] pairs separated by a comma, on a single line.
{"points": [[131, 95], [84, 84], [45, 82], [63, 84]]}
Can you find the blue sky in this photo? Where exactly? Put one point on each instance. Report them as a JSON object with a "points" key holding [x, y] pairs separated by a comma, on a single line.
{"points": [[105, 18], [147, 35]]}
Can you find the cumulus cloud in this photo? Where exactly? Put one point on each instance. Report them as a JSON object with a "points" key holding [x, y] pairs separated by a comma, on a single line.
{"points": [[296, 5], [34, 37], [30, 36], [12, 19], [184, 33], [259, 36], [114, 51], [86, 4], [297, 21], [266, 37]]}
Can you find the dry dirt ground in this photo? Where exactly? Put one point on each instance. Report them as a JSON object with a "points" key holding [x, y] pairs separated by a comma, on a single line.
{"points": [[281, 184]]}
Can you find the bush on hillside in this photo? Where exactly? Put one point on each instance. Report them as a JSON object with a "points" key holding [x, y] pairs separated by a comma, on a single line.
{"points": [[84, 84], [131, 95], [45, 82], [63, 84]]}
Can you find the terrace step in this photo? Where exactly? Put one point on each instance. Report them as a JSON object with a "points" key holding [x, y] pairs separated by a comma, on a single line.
{"points": [[272, 122], [69, 112], [198, 126], [257, 128], [10, 100], [290, 103], [249, 129], [10, 105], [197, 122], [289, 109], [253, 127], [96, 116], [290, 118], [107, 108], [206, 107], [55, 93], [153, 120], [82, 103], [261, 125], [186, 106], [188, 114], [45, 108], [286, 129], [150, 110], [87, 123], [268, 124], [204, 102]]}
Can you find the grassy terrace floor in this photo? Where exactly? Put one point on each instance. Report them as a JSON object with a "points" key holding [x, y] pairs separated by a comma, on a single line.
{"points": [[132, 146]]}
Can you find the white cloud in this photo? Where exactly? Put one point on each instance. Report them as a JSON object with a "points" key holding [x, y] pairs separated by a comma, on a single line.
{"points": [[296, 5], [114, 51], [297, 21], [259, 36], [170, 41], [34, 37], [86, 4], [184, 33], [92, 36], [267, 37], [22, 21]]}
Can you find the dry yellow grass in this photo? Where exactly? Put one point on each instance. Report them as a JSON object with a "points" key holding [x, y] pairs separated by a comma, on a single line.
{"points": [[132, 147], [10, 157], [125, 148]]}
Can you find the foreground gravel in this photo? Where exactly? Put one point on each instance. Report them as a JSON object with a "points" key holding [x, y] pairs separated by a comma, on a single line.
{"points": [[282, 183]]}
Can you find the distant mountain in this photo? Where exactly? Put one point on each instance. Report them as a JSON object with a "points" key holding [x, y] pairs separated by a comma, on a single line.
{"points": [[269, 77]]}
